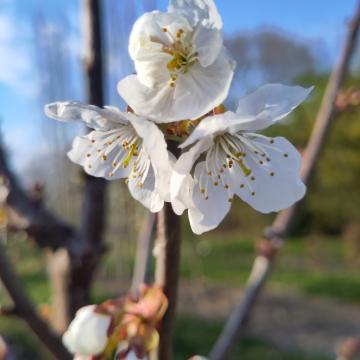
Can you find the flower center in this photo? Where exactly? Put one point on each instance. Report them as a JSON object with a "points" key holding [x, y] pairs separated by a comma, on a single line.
{"points": [[182, 54], [125, 149]]}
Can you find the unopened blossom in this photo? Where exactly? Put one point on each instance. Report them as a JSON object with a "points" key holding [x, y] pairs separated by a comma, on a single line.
{"points": [[122, 145], [87, 334], [231, 158], [182, 68], [138, 327]]}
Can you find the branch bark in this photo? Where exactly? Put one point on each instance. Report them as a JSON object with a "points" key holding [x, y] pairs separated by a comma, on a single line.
{"points": [[167, 249], [26, 310], [273, 237]]}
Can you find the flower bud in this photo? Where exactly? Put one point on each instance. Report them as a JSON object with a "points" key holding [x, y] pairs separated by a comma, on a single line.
{"points": [[87, 334]]}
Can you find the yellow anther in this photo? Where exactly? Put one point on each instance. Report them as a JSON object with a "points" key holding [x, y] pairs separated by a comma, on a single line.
{"points": [[242, 186], [216, 183], [230, 200], [104, 157], [88, 155], [221, 109], [272, 174], [202, 191], [226, 186], [165, 29]]}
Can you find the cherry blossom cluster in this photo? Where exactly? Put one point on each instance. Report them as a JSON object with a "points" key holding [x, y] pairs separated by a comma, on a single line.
{"points": [[183, 75]]}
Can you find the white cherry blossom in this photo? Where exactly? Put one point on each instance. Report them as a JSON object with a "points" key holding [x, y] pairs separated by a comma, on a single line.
{"points": [[87, 334], [183, 69], [230, 158], [122, 145]]}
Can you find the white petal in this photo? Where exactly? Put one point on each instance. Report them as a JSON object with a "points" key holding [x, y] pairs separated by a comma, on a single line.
{"points": [[152, 71], [87, 333], [273, 185], [272, 100], [147, 41], [85, 153], [208, 214], [210, 126], [155, 145], [146, 194], [204, 88], [208, 44], [181, 185], [197, 92], [147, 33], [198, 11], [93, 116]]}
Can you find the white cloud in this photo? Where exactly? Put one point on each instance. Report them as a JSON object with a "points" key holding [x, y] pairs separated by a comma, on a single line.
{"points": [[15, 54]]}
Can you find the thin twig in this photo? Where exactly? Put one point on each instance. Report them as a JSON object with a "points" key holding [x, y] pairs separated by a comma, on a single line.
{"points": [[284, 221]]}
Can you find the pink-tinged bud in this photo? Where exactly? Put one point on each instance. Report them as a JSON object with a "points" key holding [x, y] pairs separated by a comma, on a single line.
{"points": [[197, 357], [87, 334]]}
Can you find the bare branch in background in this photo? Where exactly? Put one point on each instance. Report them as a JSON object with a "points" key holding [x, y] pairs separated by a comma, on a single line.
{"points": [[24, 308], [283, 223], [46, 229]]}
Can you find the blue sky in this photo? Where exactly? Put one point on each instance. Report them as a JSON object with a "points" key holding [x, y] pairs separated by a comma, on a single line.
{"points": [[320, 21]]}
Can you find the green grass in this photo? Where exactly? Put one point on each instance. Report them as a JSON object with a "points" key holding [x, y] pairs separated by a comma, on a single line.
{"points": [[195, 337], [312, 265], [315, 266]]}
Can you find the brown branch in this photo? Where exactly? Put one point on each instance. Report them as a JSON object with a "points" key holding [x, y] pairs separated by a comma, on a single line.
{"points": [[45, 228], [167, 249], [285, 220], [24, 308]]}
